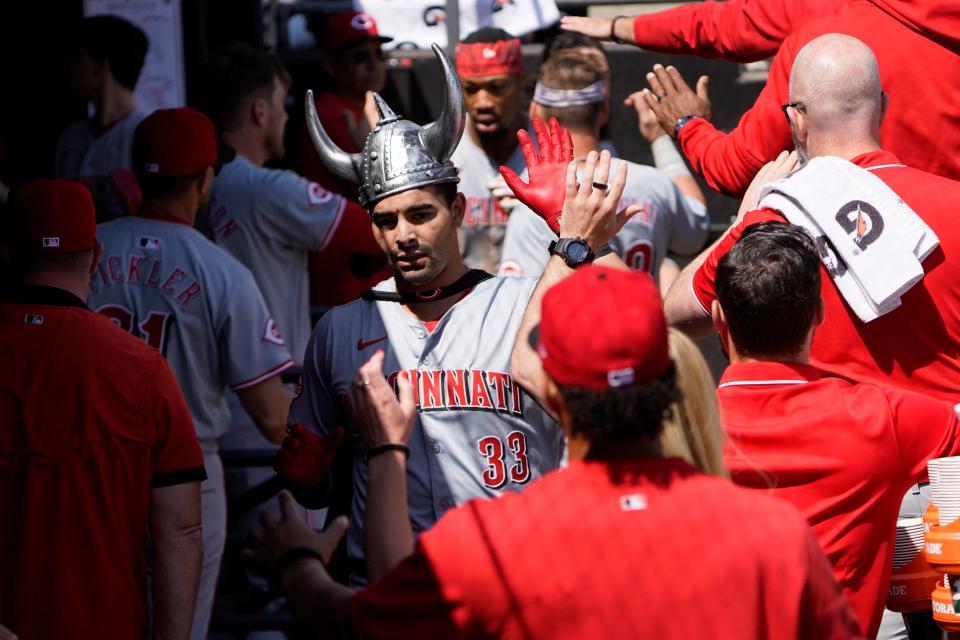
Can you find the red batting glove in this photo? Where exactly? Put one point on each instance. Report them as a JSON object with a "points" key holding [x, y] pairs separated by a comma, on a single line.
{"points": [[305, 457], [547, 173]]}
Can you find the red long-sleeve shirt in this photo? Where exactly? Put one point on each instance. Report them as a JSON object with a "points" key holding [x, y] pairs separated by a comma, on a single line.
{"points": [[922, 124], [737, 30]]}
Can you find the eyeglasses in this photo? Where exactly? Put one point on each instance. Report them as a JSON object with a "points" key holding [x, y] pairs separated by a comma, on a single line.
{"points": [[799, 106]]}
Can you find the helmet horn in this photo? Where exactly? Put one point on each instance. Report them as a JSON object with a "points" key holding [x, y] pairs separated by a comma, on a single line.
{"points": [[339, 162], [440, 138]]}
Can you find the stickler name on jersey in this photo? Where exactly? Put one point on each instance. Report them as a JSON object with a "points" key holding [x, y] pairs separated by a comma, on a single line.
{"points": [[463, 389], [173, 281]]}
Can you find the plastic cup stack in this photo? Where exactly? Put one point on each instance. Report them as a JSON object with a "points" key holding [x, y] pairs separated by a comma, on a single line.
{"points": [[945, 486], [909, 541]]}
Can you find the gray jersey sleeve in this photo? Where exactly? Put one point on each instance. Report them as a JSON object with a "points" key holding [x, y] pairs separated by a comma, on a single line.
{"points": [[297, 212], [691, 222], [250, 346], [525, 245], [316, 404]]}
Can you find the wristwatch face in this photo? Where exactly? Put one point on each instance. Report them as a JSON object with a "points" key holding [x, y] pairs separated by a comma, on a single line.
{"points": [[577, 251]]}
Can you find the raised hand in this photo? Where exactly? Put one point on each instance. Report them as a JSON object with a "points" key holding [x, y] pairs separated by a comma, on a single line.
{"points": [[590, 208], [266, 545], [547, 171], [671, 98], [650, 127], [305, 457], [770, 172], [379, 416]]}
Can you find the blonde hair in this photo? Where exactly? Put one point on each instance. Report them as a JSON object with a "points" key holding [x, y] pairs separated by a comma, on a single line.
{"points": [[693, 430]]}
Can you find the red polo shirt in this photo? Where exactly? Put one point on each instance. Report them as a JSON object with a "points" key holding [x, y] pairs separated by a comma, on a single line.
{"points": [[916, 346], [643, 548], [91, 421], [924, 137], [842, 453]]}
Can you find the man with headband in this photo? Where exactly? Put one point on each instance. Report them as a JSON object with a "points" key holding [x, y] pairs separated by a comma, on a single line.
{"points": [[490, 66], [673, 213], [446, 328]]}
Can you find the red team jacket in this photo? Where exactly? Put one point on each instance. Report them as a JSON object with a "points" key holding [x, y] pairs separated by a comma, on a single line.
{"points": [[633, 548], [738, 30], [922, 125]]}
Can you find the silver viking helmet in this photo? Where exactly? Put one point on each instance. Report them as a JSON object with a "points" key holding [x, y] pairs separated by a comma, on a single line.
{"points": [[398, 154]]}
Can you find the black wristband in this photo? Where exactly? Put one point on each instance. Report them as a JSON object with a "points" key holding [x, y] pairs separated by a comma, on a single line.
{"points": [[290, 556], [604, 250], [613, 31], [390, 446]]}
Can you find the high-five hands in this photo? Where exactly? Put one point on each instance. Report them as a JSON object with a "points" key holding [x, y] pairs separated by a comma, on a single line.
{"points": [[671, 98], [590, 208], [547, 171]]}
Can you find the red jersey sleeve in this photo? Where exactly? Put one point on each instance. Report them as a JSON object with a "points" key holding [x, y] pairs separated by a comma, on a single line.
{"points": [[925, 428], [703, 279], [176, 451], [408, 602], [729, 161], [738, 30]]}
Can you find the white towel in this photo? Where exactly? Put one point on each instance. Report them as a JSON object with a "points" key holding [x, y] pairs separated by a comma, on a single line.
{"points": [[871, 242]]}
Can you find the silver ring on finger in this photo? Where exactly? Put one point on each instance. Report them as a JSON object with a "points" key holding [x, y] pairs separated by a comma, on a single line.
{"points": [[661, 96]]}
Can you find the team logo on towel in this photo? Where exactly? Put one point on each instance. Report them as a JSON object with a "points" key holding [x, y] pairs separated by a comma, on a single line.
{"points": [[862, 221]]}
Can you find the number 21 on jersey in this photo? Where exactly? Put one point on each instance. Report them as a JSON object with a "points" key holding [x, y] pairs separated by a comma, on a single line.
{"points": [[495, 449], [153, 330]]}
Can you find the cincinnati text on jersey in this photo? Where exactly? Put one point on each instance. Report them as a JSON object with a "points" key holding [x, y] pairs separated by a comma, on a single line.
{"points": [[173, 281], [464, 389]]}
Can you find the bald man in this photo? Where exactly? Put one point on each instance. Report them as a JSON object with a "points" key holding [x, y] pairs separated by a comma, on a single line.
{"points": [[835, 108], [924, 138]]}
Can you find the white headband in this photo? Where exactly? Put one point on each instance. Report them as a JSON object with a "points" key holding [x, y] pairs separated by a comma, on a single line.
{"points": [[569, 97]]}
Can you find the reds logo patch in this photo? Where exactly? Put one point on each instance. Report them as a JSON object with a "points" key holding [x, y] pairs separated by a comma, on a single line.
{"points": [[317, 195], [272, 334], [434, 15], [361, 22]]}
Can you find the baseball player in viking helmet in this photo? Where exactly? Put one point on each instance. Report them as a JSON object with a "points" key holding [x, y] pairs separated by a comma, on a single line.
{"points": [[446, 328]]}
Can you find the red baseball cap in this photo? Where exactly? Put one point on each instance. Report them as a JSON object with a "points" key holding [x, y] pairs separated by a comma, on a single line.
{"points": [[174, 142], [343, 29], [602, 328], [53, 216]]}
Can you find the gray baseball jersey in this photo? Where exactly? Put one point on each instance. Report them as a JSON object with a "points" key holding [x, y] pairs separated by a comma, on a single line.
{"points": [[476, 433], [669, 220], [268, 219], [82, 155], [484, 222], [164, 281]]}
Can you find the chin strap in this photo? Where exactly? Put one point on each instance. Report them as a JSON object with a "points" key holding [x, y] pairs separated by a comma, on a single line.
{"points": [[468, 280]]}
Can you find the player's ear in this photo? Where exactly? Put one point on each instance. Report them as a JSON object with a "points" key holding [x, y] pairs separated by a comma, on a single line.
{"points": [[258, 110], [457, 208], [720, 321], [205, 184]]}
